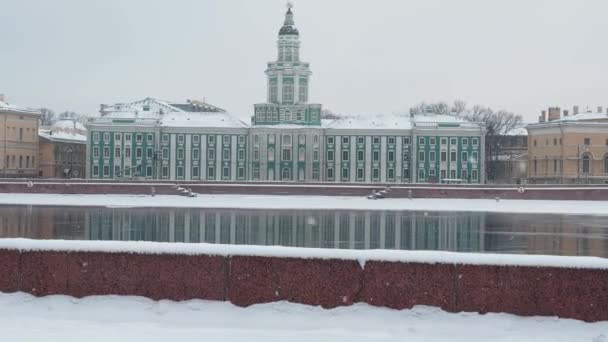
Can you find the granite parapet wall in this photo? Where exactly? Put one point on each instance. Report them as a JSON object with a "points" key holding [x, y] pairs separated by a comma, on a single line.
{"points": [[246, 280]]}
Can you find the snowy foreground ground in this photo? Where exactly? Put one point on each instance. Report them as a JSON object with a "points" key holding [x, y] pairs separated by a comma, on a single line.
{"points": [[312, 202], [112, 318]]}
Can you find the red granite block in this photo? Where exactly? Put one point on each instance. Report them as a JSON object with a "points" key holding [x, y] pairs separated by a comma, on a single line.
{"points": [[44, 273], [478, 288], [328, 283], [518, 295], [112, 273], [404, 285], [184, 277], [573, 293], [9, 270], [251, 281]]}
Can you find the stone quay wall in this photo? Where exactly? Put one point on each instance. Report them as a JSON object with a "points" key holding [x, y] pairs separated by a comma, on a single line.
{"points": [[536, 192], [578, 293]]}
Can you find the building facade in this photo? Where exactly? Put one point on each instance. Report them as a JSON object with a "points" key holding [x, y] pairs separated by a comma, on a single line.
{"points": [[287, 140], [565, 148], [63, 150], [18, 140]]}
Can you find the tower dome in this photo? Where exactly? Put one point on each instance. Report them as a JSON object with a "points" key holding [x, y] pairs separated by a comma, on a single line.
{"points": [[289, 27]]}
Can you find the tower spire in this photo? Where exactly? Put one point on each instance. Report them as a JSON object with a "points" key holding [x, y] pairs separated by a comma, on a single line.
{"points": [[289, 27]]}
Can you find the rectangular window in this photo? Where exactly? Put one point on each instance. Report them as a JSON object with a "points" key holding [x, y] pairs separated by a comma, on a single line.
{"points": [[138, 138], [95, 152], [330, 173], [211, 154], [180, 172], [95, 171], [453, 141], [117, 136], [443, 174], [117, 152], [465, 157], [226, 139], [226, 154], [376, 156], [465, 141], [444, 156], [453, 174], [464, 174], [391, 156], [256, 173], [106, 152], [195, 171], [453, 156], [406, 156], [303, 96], [406, 140], [474, 175], [138, 152], [376, 140], [330, 140], [359, 174], [330, 155], [391, 140], [225, 173], [211, 173], [149, 153], [360, 155], [180, 153], [95, 137], [345, 173], [345, 156], [431, 172], [391, 174], [360, 140], [273, 90], [406, 173], [587, 141], [128, 136], [288, 90], [475, 141], [286, 154], [432, 156], [106, 137], [211, 139], [165, 138], [421, 156], [315, 174], [432, 141], [165, 171], [421, 141], [315, 155], [106, 171], [195, 154], [241, 173], [149, 171], [256, 154], [474, 157], [150, 137], [421, 174], [375, 174], [127, 152], [241, 140], [444, 141], [241, 155], [345, 140], [180, 139], [196, 139]]}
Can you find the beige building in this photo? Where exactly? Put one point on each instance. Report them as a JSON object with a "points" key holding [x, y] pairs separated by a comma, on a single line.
{"points": [[63, 149], [18, 140], [569, 148]]}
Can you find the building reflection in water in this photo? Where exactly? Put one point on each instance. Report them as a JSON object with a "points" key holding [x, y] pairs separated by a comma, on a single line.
{"points": [[457, 231]]}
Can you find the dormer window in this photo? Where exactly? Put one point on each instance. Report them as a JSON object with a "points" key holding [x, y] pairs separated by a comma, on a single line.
{"points": [[146, 108]]}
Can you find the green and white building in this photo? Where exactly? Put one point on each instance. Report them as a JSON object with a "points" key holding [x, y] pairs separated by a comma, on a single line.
{"points": [[287, 139]]}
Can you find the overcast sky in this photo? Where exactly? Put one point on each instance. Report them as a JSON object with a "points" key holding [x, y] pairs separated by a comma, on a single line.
{"points": [[380, 56]]}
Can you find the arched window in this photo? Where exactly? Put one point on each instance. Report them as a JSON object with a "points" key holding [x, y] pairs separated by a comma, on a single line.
{"points": [[586, 164], [302, 154]]}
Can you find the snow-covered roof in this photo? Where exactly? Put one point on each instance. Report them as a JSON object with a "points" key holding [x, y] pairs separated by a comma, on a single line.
{"points": [[150, 108], [436, 118], [587, 116], [518, 131], [4, 106], [202, 119], [65, 130], [378, 121]]}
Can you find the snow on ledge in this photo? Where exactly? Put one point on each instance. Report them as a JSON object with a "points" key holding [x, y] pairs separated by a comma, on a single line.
{"points": [[362, 256]]}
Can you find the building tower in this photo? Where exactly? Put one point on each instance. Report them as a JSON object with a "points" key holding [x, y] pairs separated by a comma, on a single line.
{"points": [[287, 84]]}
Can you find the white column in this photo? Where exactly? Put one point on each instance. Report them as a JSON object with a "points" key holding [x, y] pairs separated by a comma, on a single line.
{"points": [[219, 150], [172, 226], [336, 229], [383, 157], [351, 230], [172, 156], [203, 168], [382, 230], [232, 228], [353, 159], [188, 157], [397, 231], [399, 159], [201, 226], [338, 159], [187, 227], [218, 227], [233, 157], [367, 230], [368, 159]]}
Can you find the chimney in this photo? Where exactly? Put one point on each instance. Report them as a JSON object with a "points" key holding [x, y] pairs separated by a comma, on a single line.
{"points": [[565, 112], [600, 110], [554, 113], [543, 116], [575, 110]]}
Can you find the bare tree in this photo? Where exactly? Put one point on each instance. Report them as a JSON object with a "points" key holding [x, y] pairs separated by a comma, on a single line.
{"points": [[328, 114], [48, 117]]}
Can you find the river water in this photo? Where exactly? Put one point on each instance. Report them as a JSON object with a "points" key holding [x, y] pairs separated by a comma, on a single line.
{"points": [[355, 229]]}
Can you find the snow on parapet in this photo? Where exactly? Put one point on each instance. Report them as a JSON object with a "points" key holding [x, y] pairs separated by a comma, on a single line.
{"points": [[4, 106], [202, 119], [400, 121], [361, 256]]}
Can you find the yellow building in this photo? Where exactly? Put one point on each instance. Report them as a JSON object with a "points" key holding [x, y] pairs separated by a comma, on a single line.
{"points": [[18, 140], [565, 148]]}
